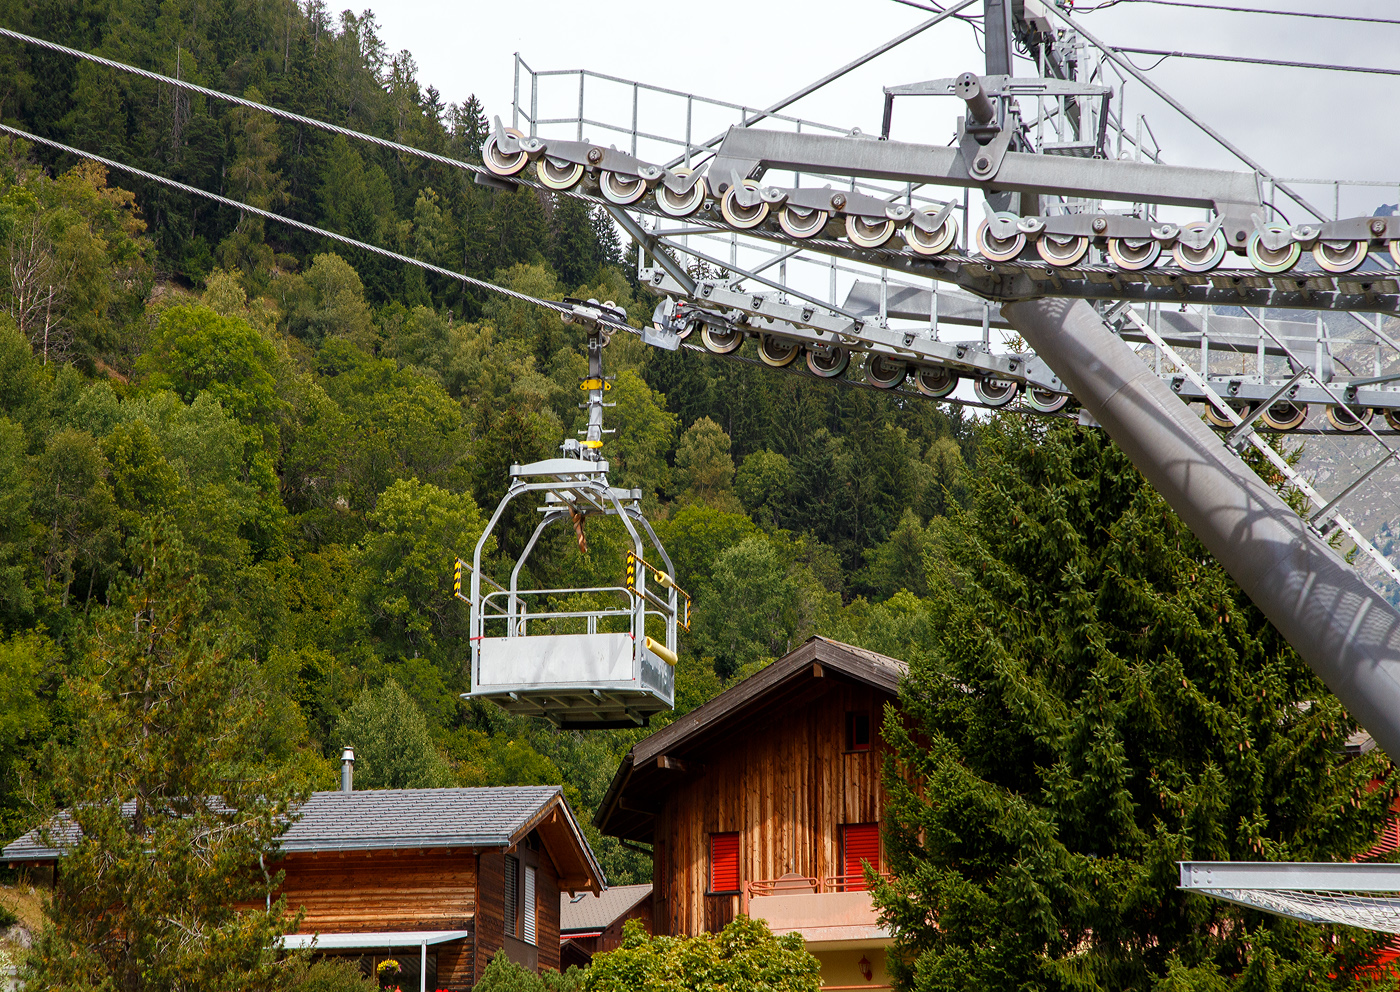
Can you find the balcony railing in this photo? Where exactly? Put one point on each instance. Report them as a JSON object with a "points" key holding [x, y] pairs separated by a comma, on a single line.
{"points": [[802, 901], [792, 885]]}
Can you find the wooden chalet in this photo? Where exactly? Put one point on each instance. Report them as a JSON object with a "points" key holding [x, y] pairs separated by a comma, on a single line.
{"points": [[437, 881], [591, 922], [767, 800]]}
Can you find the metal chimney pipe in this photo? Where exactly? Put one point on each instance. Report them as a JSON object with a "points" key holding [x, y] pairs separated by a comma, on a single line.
{"points": [[1345, 631], [347, 769]]}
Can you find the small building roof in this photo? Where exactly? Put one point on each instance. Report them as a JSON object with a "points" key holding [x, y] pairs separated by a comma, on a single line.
{"points": [[397, 819], [591, 913], [789, 681]]}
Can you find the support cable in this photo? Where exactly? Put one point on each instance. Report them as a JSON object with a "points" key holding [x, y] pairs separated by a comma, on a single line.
{"points": [[1127, 66], [1247, 60], [811, 88], [557, 307], [241, 101], [1243, 10]]}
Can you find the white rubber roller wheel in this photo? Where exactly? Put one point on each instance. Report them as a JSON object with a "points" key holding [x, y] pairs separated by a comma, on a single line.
{"points": [[998, 249], [558, 175], [829, 363], [681, 204], [498, 161], [1272, 260], [1348, 418], [1062, 252], [932, 244], [620, 189], [738, 216], [864, 232], [1200, 259], [802, 222], [1218, 419], [937, 381], [995, 392], [721, 342], [884, 372], [1134, 254], [1046, 401], [778, 352], [1338, 257], [1285, 415]]}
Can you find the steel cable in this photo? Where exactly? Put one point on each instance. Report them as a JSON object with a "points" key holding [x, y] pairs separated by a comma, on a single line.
{"points": [[554, 305], [241, 101]]}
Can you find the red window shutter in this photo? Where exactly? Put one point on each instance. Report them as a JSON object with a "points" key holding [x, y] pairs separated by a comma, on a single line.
{"points": [[860, 842], [724, 862]]}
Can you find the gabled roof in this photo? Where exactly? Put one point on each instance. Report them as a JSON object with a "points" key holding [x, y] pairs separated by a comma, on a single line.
{"points": [[592, 913], [397, 819], [785, 682]]}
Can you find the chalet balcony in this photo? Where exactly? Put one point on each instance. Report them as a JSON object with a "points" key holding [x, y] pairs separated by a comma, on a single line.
{"points": [[833, 911]]}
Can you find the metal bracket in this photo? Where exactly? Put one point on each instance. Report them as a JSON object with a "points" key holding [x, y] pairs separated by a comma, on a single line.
{"points": [[983, 161]]}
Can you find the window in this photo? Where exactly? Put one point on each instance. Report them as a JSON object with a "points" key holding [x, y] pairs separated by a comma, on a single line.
{"points": [[857, 731], [860, 842], [527, 916], [512, 895], [724, 862]]}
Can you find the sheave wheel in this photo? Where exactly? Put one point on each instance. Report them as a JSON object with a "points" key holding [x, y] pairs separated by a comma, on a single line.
{"points": [[1349, 419], [1272, 260], [681, 204], [742, 217], [995, 392], [1134, 254], [560, 175], [932, 244], [498, 161], [1285, 415], [864, 232], [778, 352], [1045, 401], [998, 249], [937, 381], [1200, 259], [884, 372], [721, 342], [621, 189], [1062, 252], [1218, 419], [1339, 256], [802, 222], [829, 362]]}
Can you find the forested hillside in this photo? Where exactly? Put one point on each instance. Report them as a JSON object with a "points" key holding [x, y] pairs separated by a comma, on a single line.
{"points": [[325, 431]]}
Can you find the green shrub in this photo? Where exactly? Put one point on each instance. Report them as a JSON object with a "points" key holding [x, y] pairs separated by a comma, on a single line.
{"points": [[743, 957], [504, 975], [334, 974]]}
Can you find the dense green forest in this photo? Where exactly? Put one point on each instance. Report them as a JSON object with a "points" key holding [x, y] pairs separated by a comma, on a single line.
{"points": [[325, 431], [287, 445]]}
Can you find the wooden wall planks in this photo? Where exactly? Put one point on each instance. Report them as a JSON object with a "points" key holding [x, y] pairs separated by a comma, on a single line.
{"points": [[786, 786], [357, 893]]}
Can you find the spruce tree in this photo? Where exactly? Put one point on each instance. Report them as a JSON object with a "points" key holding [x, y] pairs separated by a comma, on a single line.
{"points": [[172, 812], [1100, 700]]}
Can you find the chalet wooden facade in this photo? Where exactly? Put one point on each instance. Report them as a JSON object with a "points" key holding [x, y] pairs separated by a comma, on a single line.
{"points": [[768, 800], [435, 882]]}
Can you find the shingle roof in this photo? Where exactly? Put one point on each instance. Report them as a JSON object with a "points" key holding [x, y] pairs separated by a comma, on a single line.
{"points": [[384, 818], [400, 818], [589, 912]]}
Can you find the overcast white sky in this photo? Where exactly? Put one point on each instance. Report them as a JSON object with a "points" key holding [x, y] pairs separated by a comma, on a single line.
{"points": [[1295, 122]]}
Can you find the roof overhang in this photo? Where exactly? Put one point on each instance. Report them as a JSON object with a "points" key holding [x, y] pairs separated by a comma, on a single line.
{"points": [[653, 763], [342, 941]]}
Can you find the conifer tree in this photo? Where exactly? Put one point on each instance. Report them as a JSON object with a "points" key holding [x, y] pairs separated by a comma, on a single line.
{"points": [[171, 811], [1101, 701]]}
